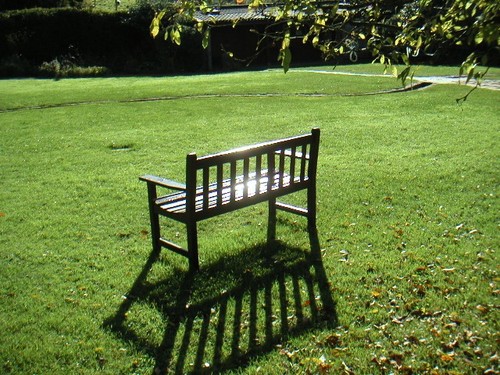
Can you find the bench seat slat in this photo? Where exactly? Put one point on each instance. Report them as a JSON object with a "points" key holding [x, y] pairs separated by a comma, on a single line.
{"points": [[213, 198]]}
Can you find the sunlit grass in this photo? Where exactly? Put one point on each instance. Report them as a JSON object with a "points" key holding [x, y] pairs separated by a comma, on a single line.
{"points": [[407, 222], [34, 92]]}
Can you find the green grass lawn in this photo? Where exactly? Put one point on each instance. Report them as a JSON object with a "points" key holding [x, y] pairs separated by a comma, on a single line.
{"points": [[407, 222]]}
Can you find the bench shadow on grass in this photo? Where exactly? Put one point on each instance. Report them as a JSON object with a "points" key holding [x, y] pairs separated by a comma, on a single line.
{"points": [[230, 311]]}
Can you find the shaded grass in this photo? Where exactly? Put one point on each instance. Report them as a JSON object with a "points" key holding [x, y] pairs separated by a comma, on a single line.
{"points": [[408, 219]]}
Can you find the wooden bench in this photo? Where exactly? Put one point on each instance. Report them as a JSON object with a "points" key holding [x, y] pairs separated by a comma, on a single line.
{"points": [[227, 181]]}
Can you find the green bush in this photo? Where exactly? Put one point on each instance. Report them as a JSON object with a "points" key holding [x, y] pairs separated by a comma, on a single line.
{"points": [[65, 69]]}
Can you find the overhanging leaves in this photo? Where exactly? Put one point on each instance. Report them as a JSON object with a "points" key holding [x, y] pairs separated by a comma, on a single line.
{"points": [[393, 32]]}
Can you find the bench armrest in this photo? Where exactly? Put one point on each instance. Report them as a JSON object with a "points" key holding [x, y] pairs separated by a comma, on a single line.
{"points": [[163, 182]]}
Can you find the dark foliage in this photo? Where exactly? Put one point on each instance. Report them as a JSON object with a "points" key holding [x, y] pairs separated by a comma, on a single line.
{"points": [[118, 42], [26, 4]]}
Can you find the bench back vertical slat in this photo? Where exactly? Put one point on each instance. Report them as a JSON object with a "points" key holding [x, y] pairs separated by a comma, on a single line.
{"points": [[191, 173], [246, 171], [292, 164], [232, 178], [281, 169], [220, 179], [303, 163], [206, 189], [271, 170], [258, 173]]}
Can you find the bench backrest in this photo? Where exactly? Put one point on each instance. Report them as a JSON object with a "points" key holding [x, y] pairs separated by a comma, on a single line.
{"points": [[241, 177]]}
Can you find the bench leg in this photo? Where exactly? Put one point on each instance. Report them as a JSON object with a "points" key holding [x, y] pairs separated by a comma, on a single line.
{"points": [[155, 231], [192, 240], [154, 219], [311, 208], [271, 223]]}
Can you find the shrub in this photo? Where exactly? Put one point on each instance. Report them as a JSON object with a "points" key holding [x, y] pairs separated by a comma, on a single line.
{"points": [[65, 69]]}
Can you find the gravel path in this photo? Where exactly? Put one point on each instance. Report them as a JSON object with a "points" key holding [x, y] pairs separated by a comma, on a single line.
{"points": [[486, 84]]}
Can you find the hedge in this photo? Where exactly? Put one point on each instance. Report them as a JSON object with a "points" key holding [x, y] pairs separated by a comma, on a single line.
{"points": [[25, 4], [117, 41]]}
